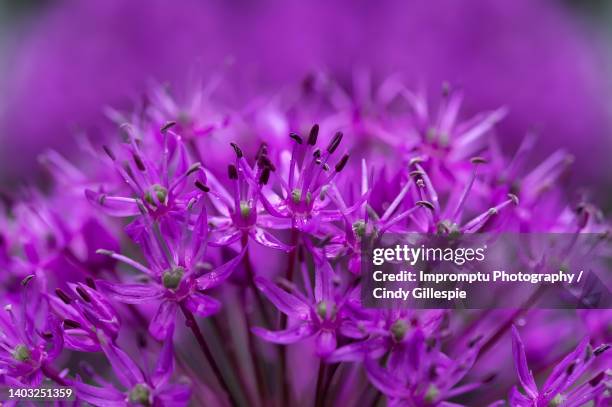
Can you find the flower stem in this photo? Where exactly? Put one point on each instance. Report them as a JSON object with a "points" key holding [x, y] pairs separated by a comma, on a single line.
{"points": [[319, 390], [283, 319], [193, 325], [50, 372]]}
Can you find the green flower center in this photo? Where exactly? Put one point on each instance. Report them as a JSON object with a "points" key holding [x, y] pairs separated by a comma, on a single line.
{"points": [[21, 353], [160, 192], [140, 395], [296, 196], [398, 330], [359, 228], [245, 209], [172, 277], [557, 401], [446, 227], [326, 310], [432, 393]]}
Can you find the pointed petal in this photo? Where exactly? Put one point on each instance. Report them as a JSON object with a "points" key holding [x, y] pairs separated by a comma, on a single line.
{"points": [[284, 301], [522, 369], [326, 343], [163, 321], [175, 395], [128, 373], [268, 240], [324, 282], [165, 363], [130, 293], [99, 396], [202, 305], [286, 336], [220, 274]]}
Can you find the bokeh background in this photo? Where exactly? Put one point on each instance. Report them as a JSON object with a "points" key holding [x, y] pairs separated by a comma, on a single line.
{"points": [[63, 62]]}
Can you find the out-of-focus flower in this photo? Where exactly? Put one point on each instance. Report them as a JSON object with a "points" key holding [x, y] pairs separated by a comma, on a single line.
{"points": [[544, 69], [139, 387], [560, 389]]}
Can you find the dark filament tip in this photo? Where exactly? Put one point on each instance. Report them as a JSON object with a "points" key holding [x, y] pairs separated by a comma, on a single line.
{"points": [[314, 133], [232, 171], [342, 163], [295, 137], [335, 142], [139, 164], [201, 186], [62, 296], [237, 150]]}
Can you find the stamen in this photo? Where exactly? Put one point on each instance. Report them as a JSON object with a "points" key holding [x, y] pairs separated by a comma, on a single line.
{"points": [[84, 295], [237, 150], [167, 126], [265, 176], [314, 133], [71, 324], [295, 137], [90, 283], [201, 186], [342, 163], [109, 153], [63, 296], [335, 142], [27, 280], [232, 172], [601, 349], [138, 161]]}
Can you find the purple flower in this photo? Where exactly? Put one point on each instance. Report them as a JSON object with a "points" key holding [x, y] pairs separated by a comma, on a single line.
{"points": [[139, 387], [423, 375], [177, 274], [85, 317], [303, 197], [240, 215], [322, 313], [30, 337], [561, 388]]}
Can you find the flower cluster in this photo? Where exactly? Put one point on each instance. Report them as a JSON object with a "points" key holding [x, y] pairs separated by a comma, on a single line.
{"points": [[149, 255]]}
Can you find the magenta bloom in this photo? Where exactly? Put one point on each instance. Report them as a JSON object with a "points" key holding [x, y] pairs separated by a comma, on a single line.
{"points": [[561, 388], [321, 313], [85, 317], [140, 387], [30, 338], [177, 274]]}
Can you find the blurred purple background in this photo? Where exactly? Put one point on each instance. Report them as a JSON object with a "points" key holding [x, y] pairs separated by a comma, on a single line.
{"points": [[63, 62]]}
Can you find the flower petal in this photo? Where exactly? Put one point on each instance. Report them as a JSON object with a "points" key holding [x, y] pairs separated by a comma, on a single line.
{"points": [[268, 240], [220, 274], [284, 301], [163, 321], [522, 369], [202, 305], [175, 395], [130, 293], [128, 373], [286, 336], [165, 363], [99, 396], [326, 343]]}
